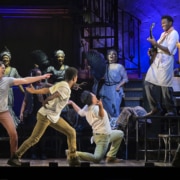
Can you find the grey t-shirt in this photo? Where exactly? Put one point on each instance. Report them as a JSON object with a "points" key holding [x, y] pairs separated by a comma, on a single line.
{"points": [[5, 84]]}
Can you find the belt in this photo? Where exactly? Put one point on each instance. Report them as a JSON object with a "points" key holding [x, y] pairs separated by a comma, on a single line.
{"points": [[111, 83], [161, 52], [99, 134]]}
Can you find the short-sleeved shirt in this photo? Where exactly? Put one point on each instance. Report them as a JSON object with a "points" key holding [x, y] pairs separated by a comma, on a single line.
{"points": [[99, 125], [5, 84], [54, 107]]}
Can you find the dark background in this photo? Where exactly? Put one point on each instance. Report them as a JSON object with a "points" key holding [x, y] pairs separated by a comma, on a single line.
{"points": [[24, 28], [23, 31]]}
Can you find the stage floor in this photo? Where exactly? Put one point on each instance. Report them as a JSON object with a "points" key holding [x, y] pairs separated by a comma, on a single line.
{"points": [[59, 168], [63, 163]]}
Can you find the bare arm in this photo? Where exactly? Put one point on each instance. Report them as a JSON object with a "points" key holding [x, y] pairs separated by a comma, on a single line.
{"points": [[29, 80], [32, 90], [74, 105], [123, 74], [22, 110], [21, 88], [101, 109], [51, 97], [77, 108], [155, 44], [165, 49], [120, 85]]}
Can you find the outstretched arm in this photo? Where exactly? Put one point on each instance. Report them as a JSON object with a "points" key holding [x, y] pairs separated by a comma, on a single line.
{"points": [[29, 80], [32, 90], [74, 105]]}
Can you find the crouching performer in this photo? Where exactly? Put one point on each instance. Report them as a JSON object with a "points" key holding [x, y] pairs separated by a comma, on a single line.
{"points": [[103, 135]]}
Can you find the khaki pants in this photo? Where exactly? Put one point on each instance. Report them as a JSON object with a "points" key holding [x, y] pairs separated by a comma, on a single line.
{"points": [[102, 142], [42, 123]]}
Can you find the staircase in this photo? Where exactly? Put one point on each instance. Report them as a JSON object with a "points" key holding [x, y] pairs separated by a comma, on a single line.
{"points": [[105, 26], [134, 93], [135, 96]]}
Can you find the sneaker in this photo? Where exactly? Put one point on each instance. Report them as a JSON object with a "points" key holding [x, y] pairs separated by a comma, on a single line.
{"points": [[14, 161], [112, 160], [72, 160]]}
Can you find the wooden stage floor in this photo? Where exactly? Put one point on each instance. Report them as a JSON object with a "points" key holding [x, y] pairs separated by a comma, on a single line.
{"points": [[59, 169], [62, 162]]}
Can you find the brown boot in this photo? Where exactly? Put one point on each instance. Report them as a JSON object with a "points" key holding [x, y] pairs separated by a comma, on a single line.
{"points": [[112, 160]]}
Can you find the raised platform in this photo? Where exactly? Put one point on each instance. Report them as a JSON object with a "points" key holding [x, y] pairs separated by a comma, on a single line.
{"points": [[164, 118]]}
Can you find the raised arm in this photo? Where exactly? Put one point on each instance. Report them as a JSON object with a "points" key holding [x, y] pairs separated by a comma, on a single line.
{"points": [[101, 109]]}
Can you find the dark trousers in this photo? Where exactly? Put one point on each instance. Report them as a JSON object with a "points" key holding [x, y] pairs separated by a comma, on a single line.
{"points": [[160, 96]]}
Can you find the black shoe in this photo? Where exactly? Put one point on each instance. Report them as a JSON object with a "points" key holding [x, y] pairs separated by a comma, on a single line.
{"points": [[14, 161], [170, 114], [113, 160], [73, 161]]}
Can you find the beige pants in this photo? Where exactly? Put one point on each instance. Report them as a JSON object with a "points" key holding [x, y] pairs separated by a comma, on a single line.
{"points": [[42, 123]]}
